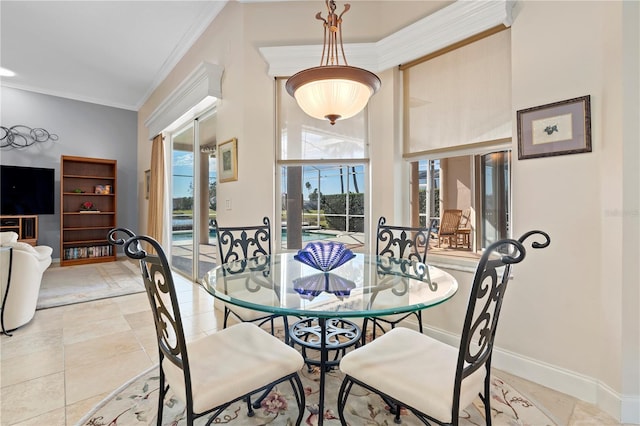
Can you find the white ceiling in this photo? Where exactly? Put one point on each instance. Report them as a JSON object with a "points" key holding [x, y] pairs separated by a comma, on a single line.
{"points": [[113, 53]]}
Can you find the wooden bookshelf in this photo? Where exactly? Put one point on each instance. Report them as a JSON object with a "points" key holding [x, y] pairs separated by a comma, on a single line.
{"points": [[83, 232]]}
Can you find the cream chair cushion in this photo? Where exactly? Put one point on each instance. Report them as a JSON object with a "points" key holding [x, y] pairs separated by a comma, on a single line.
{"points": [[415, 369], [231, 363]]}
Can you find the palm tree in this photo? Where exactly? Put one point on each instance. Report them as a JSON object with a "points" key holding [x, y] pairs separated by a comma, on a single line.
{"points": [[355, 182]]}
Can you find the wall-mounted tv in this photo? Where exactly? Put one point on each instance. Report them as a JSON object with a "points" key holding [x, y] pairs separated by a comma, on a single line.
{"points": [[26, 190]]}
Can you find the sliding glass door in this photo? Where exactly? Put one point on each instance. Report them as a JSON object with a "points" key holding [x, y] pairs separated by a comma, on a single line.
{"points": [[496, 196], [193, 184]]}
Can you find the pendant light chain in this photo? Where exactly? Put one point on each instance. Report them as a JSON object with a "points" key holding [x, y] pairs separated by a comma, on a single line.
{"points": [[332, 35]]}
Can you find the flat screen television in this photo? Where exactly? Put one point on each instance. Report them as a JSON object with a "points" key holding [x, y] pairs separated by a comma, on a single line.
{"points": [[26, 190]]}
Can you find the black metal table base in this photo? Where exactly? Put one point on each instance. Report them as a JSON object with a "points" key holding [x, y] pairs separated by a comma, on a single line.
{"points": [[324, 335]]}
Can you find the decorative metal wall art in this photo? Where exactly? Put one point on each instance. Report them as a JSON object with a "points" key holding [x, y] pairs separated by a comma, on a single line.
{"points": [[20, 136]]}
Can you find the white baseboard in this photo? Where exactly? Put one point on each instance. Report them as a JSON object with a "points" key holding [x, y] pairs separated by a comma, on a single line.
{"points": [[623, 408], [630, 410]]}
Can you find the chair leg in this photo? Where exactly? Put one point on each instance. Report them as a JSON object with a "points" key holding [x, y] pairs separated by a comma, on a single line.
{"points": [[285, 323], [250, 412], [190, 416], [396, 419], [258, 402], [419, 315], [273, 327], [298, 391], [343, 394], [374, 323], [226, 317], [365, 323], [161, 392], [487, 398]]}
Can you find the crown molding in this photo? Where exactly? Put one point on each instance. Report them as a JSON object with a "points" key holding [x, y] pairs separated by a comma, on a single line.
{"points": [[454, 23], [205, 80], [67, 95]]}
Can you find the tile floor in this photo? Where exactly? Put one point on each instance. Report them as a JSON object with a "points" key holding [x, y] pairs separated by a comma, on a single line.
{"points": [[67, 359]]}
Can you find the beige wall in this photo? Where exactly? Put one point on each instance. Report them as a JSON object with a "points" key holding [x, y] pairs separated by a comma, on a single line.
{"points": [[569, 319], [576, 297], [562, 194]]}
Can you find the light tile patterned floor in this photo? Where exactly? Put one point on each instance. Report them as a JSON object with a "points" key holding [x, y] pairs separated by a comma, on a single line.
{"points": [[56, 368]]}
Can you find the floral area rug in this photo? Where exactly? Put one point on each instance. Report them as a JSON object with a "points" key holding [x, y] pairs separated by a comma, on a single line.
{"points": [[135, 403], [65, 285]]}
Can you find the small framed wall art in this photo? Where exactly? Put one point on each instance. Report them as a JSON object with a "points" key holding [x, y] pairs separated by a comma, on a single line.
{"points": [[558, 128], [228, 161]]}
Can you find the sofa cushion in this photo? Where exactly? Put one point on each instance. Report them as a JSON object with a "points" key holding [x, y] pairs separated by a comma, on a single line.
{"points": [[22, 246], [8, 237], [40, 252]]}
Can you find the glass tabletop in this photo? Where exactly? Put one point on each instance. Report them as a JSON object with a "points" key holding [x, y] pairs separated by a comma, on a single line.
{"points": [[367, 285]]}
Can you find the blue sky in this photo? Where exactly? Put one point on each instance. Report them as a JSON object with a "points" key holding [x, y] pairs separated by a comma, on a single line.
{"points": [[183, 172]]}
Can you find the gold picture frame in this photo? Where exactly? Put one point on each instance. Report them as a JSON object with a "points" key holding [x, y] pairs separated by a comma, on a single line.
{"points": [[228, 161], [147, 183]]}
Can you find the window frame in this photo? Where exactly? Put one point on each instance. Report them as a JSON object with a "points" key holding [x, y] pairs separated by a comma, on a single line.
{"points": [[475, 152], [279, 162]]}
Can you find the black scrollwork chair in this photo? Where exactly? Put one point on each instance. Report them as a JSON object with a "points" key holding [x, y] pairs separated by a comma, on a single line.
{"points": [[211, 373], [241, 243], [432, 379], [399, 242]]}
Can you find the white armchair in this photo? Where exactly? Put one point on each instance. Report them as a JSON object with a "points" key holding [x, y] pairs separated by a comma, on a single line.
{"points": [[21, 269], [8, 237]]}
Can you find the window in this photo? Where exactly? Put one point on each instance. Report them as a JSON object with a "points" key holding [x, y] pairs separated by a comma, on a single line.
{"points": [[478, 184], [458, 136], [322, 177], [332, 203], [428, 191]]}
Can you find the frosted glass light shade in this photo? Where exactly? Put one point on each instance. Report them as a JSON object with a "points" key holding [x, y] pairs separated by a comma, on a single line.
{"points": [[333, 92]]}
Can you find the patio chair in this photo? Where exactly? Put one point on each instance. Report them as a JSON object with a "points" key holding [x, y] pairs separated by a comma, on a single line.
{"points": [[463, 234], [432, 379], [400, 242], [210, 373], [449, 223]]}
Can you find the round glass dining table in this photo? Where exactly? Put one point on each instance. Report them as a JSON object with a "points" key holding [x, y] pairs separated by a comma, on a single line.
{"points": [[365, 286]]}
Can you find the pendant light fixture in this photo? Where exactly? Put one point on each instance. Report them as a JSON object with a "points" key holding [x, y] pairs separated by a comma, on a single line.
{"points": [[333, 91]]}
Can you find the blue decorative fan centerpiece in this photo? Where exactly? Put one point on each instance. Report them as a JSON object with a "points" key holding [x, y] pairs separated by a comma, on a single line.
{"points": [[324, 256]]}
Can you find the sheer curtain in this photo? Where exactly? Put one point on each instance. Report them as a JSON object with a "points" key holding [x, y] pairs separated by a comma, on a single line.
{"points": [[156, 190]]}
